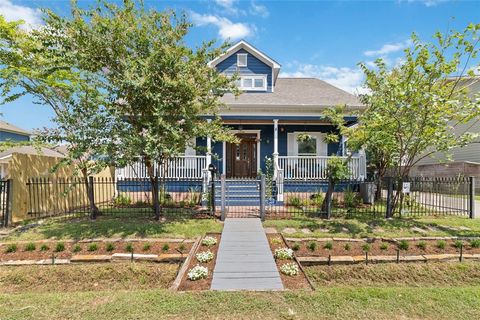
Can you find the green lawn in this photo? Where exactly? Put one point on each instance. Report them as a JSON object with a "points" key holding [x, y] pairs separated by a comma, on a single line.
{"points": [[138, 291], [110, 227], [368, 227]]}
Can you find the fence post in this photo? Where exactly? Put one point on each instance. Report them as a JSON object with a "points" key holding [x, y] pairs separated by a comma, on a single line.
{"points": [[389, 208], [262, 197], [8, 203], [472, 197], [223, 191], [91, 197]]}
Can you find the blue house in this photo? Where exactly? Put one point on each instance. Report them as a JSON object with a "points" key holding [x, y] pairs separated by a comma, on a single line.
{"points": [[271, 117], [9, 132]]}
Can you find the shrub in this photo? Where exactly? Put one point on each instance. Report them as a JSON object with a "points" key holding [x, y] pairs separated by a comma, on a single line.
{"points": [[284, 254], [290, 269], [296, 246], [422, 245], [92, 247], [441, 244], [317, 199], [209, 241], [328, 245], [350, 198], [312, 245], [76, 248], [129, 247], [198, 272], [147, 246], [276, 241], [122, 200], [181, 247], [12, 247], [294, 202], [366, 247], [403, 245], [109, 247], [347, 247], [30, 246], [165, 247], [475, 243], [205, 256], [59, 247], [44, 247], [384, 246], [458, 244]]}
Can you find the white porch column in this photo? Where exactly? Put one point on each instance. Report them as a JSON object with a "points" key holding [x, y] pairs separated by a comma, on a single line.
{"points": [[275, 147]]}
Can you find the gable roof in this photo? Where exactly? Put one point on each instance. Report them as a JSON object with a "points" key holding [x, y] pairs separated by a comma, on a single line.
{"points": [[42, 151], [242, 44], [5, 126], [297, 92]]}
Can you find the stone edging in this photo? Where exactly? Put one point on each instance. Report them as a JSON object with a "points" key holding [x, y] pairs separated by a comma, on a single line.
{"points": [[379, 238], [345, 260], [102, 240]]}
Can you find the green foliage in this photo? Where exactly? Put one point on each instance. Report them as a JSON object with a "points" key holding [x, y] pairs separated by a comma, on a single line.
{"points": [[347, 247], [12, 247], [122, 200], [165, 247], [458, 244], [129, 247], [384, 246], [59, 247], [146, 246], [181, 247], [276, 241], [328, 245], [403, 245], [422, 245], [44, 247], [366, 247], [92, 247], [441, 244], [296, 246], [475, 243], [350, 199], [316, 199], [294, 201], [109, 247], [337, 169], [76, 248], [312, 245], [30, 246]]}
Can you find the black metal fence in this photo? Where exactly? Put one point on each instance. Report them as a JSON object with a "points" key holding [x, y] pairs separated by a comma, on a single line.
{"points": [[5, 190], [114, 197]]}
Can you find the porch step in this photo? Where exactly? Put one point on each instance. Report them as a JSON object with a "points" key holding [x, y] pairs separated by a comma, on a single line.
{"points": [[238, 193]]}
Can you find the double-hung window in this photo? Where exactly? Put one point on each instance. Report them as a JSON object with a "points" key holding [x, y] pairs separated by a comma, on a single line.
{"points": [[253, 83]]}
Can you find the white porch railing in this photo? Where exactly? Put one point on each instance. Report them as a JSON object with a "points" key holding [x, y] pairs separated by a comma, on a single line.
{"points": [[180, 167], [315, 167]]}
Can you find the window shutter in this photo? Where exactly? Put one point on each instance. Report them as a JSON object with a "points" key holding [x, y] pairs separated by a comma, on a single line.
{"points": [[291, 145]]}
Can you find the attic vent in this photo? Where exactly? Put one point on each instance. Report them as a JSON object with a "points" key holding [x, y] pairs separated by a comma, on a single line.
{"points": [[241, 60]]}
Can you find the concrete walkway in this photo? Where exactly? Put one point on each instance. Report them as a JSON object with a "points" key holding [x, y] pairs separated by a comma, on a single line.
{"points": [[244, 260]]}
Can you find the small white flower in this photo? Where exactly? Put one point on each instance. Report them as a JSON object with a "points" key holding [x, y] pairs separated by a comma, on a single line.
{"points": [[121, 102], [197, 273], [205, 256], [290, 269], [284, 254], [144, 132], [180, 122], [209, 241]]}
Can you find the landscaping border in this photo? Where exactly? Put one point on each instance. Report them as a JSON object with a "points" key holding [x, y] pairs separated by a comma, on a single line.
{"points": [[184, 268]]}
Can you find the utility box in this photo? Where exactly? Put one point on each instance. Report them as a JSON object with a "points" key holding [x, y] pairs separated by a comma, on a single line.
{"points": [[367, 192]]}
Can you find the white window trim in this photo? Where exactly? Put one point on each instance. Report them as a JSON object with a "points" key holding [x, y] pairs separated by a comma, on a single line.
{"points": [[253, 78], [238, 59], [322, 146]]}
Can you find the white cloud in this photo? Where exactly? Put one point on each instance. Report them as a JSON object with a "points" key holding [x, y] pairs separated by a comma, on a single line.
{"points": [[389, 48], [259, 10], [226, 28], [228, 5], [348, 79], [12, 12]]}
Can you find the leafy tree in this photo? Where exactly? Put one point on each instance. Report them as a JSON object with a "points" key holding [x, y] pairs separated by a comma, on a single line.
{"points": [[337, 170], [412, 108], [158, 85]]}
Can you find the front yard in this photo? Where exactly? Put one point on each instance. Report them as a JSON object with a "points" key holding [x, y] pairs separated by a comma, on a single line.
{"points": [[361, 227], [126, 291]]}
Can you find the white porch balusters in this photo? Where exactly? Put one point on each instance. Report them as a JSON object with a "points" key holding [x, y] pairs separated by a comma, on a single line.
{"points": [[277, 172]]}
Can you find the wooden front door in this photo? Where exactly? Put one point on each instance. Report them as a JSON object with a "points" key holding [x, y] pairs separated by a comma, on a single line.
{"points": [[242, 158]]}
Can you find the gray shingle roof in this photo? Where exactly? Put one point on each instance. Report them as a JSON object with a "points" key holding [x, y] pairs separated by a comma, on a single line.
{"points": [[5, 126], [296, 91], [32, 150]]}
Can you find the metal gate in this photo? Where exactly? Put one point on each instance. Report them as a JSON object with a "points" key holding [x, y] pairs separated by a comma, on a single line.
{"points": [[242, 197]]}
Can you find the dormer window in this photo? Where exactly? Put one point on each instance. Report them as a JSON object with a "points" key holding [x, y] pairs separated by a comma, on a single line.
{"points": [[252, 83], [241, 60]]}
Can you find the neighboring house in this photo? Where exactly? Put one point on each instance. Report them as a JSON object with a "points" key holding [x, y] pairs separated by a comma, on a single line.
{"points": [[268, 117], [466, 160], [7, 155], [9, 132]]}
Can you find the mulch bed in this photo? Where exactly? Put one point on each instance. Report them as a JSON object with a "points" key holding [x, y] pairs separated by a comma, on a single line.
{"points": [[202, 284], [356, 248], [119, 247], [289, 282]]}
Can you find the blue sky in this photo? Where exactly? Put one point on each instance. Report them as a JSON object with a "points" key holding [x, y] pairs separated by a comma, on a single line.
{"points": [[323, 39]]}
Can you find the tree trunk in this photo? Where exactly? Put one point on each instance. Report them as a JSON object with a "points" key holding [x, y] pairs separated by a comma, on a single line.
{"points": [[327, 202], [153, 178], [91, 200]]}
